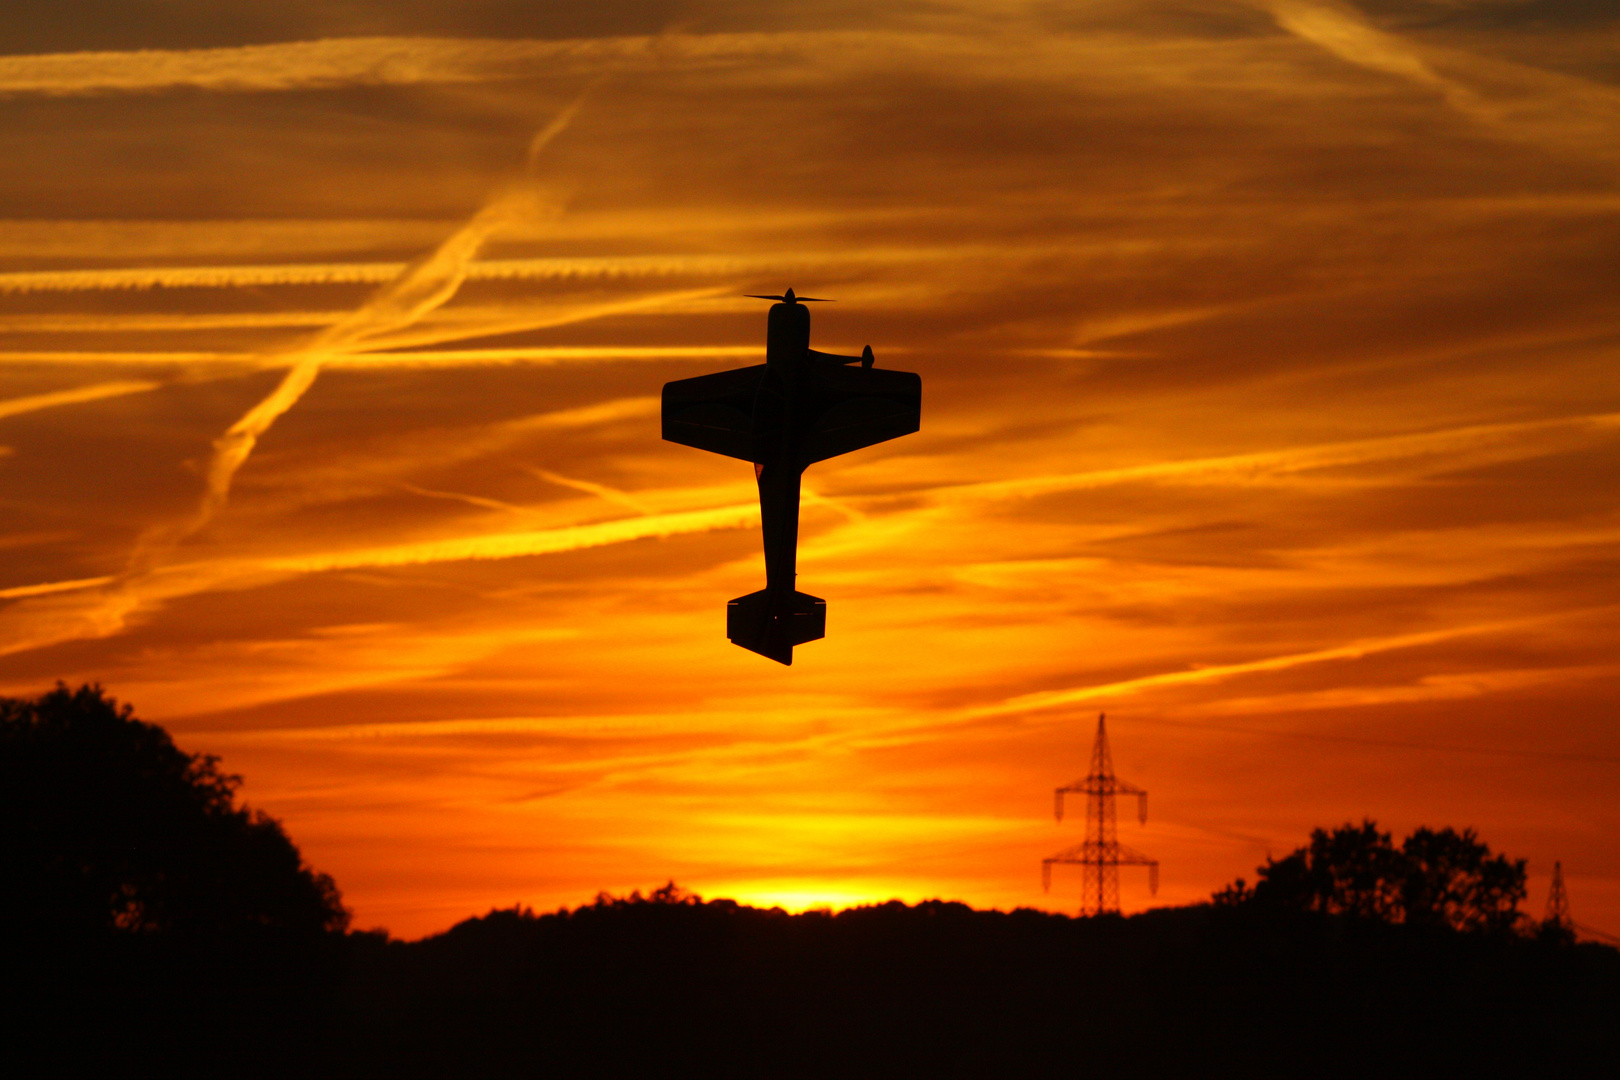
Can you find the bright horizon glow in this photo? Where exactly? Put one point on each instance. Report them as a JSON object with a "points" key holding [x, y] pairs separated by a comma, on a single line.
{"points": [[796, 897]]}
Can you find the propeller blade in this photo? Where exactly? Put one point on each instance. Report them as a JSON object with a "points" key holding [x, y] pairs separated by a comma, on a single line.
{"points": [[756, 296], [815, 299]]}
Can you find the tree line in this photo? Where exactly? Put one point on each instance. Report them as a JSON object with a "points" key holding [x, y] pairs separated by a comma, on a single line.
{"points": [[106, 827], [1438, 878], [181, 933]]}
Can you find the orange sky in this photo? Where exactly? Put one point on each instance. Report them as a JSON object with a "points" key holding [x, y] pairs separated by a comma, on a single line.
{"points": [[1270, 403]]}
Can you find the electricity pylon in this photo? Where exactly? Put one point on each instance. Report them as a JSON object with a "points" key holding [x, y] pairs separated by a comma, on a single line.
{"points": [[1558, 913], [1558, 902], [1102, 853]]}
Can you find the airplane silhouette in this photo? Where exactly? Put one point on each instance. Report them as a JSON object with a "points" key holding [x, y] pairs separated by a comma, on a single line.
{"points": [[799, 407]]}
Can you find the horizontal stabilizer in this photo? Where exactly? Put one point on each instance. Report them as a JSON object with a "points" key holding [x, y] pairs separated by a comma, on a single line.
{"points": [[771, 624]]}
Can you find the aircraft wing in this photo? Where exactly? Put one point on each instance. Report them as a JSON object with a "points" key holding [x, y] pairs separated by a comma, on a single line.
{"points": [[856, 407], [714, 412], [832, 358]]}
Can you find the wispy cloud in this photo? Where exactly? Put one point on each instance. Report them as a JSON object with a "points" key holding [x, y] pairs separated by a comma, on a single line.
{"points": [[1339, 29], [1508, 442], [19, 592], [420, 288], [601, 491], [77, 395], [100, 607], [383, 61], [524, 544], [416, 290], [1126, 689], [147, 322], [309, 65], [1515, 101], [1444, 686], [382, 465]]}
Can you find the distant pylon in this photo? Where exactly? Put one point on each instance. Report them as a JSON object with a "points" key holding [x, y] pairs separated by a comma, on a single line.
{"points": [[1558, 901], [1102, 854]]}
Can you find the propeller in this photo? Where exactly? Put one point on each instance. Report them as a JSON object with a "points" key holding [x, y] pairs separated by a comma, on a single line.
{"points": [[788, 298]]}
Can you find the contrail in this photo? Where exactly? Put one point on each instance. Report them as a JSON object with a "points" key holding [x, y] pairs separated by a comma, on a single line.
{"points": [[559, 124], [418, 289], [537, 268], [367, 61], [20, 591], [422, 287], [378, 350], [601, 491], [573, 537], [1344, 33], [95, 392], [1515, 101], [1298, 459], [112, 600], [1049, 699]]}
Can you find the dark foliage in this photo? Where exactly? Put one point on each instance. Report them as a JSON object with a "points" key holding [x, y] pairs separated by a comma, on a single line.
{"points": [[106, 828], [155, 928], [134, 889], [681, 987], [1440, 879]]}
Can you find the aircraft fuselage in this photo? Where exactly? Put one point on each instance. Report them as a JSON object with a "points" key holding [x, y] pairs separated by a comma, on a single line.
{"points": [[787, 348], [801, 406]]}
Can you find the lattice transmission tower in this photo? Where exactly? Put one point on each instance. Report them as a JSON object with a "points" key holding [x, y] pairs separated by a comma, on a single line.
{"points": [[1102, 854], [1558, 902], [1558, 913]]}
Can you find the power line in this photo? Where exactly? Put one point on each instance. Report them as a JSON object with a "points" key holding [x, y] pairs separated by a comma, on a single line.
{"points": [[1393, 744], [1592, 932]]}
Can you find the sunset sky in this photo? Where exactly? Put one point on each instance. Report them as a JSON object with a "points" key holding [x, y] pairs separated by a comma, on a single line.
{"points": [[1271, 403]]}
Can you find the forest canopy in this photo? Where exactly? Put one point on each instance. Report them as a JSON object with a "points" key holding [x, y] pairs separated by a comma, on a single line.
{"points": [[1435, 878], [182, 933], [107, 828]]}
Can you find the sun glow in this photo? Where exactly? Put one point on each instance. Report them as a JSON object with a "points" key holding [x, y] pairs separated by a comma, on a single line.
{"points": [[796, 895]]}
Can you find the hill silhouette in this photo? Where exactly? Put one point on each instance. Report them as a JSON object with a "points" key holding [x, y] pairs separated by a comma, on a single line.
{"points": [[670, 983], [169, 931]]}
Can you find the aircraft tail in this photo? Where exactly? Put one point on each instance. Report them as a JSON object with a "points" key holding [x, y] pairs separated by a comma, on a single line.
{"points": [[772, 624]]}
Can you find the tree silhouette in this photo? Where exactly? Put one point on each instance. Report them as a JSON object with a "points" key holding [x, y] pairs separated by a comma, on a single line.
{"points": [[108, 829], [1452, 880], [1435, 878]]}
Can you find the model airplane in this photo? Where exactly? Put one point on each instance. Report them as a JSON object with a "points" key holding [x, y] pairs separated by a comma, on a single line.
{"points": [[799, 407]]}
